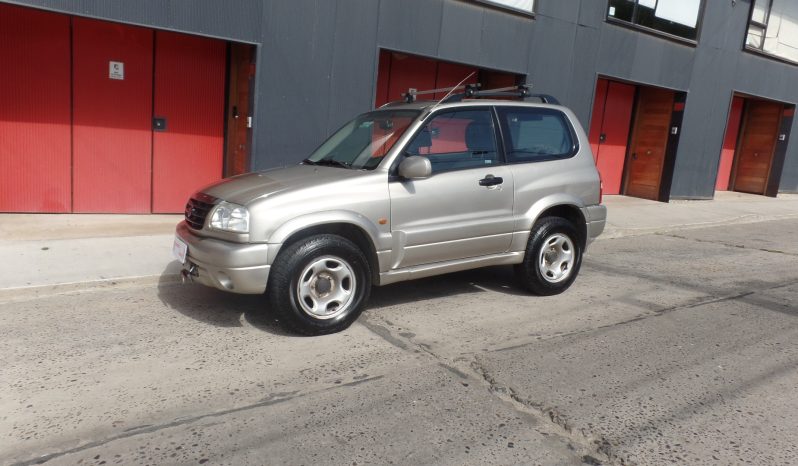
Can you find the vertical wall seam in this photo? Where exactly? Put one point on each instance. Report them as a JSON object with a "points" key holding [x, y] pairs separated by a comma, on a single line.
{"points": [[152, 130], [71, 115], [226, 110], [327, 124]]}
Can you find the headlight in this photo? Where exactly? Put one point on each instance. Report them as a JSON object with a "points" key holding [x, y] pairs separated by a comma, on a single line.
{"points": [[230, 217]]}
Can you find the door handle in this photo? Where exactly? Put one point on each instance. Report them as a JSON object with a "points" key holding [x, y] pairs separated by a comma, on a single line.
{"points": [[634, 155], [491, 180]]}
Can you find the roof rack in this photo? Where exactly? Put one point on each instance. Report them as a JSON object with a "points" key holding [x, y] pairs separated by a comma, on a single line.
{"points": [[475, 91]]}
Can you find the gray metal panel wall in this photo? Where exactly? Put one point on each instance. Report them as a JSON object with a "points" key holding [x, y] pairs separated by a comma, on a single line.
{"points": [[230, 19], [318, 61]]}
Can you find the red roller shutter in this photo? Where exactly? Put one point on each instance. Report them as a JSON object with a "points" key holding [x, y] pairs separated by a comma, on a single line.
{"points": [[35, 133], [612, 115], [189, 97], [729, 144], [112, 117]]}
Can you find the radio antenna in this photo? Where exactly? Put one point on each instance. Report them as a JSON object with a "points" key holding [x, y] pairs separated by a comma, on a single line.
{"points": [[452, 90]]}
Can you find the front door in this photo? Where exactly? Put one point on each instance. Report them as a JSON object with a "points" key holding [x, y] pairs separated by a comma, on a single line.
{"points": [[465, 209], [757, 145], [646, 155], [239, 97], [609, 130], [112, 117], [188, 129]]}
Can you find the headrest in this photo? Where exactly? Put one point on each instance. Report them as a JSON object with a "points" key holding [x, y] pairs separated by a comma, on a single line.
{"points": [[479, 136]]}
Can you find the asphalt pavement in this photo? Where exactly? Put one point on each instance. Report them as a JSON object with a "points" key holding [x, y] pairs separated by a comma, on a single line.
{"points": [[676, 345]]}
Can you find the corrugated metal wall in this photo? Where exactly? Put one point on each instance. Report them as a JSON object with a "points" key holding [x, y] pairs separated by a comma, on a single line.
{"points": [[317, 62], [35, 113], [112, 132]]}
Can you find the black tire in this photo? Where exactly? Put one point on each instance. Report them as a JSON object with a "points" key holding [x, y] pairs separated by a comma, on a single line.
{"points": [[547, 277], [300, 276]]}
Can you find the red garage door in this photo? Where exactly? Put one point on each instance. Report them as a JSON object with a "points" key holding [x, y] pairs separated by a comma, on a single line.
{"points": [[35, 140], [112, 112], [729, 144], [77, 112], [609, 130], [399, 72], [189, 101]]}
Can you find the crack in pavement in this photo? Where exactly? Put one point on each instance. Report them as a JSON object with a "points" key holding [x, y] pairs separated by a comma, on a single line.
{"points": [[656, 313], [598, 446], [271, 399], [594, 456], [723, 243], [599, 450], [653, 314]]}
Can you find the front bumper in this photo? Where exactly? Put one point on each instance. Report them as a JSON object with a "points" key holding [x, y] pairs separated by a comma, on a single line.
{"points": [[237, 267]]}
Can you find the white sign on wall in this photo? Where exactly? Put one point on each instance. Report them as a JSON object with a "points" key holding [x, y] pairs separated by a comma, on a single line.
{"points": [[116, 70]]}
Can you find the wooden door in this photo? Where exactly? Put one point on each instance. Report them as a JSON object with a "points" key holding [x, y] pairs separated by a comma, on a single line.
{"points": [[242, 73], [757, 144], [646, 155]]}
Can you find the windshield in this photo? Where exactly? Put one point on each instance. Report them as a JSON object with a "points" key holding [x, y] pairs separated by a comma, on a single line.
{"points": [[363, 142]]}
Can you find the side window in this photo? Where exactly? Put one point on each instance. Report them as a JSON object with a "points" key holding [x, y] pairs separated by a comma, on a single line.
{"points": [[457, 140], [536, 134]]}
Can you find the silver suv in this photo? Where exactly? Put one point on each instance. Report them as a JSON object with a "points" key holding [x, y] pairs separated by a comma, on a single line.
{"points": [[407, 191]]}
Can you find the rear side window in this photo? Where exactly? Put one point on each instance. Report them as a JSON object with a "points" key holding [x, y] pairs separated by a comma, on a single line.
{"points": [[536, 134]]}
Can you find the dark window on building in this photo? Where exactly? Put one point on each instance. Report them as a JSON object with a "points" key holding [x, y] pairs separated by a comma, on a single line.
{"points": [[536, 134], [773, 28], [677, 18]]}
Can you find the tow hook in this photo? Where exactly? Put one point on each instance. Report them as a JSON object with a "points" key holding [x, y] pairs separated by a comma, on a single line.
{"points": [[190, 274]]}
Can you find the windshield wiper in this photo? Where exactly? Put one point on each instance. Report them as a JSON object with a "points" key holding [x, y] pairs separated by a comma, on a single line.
{"points": [[333, 163], [309, 162]]}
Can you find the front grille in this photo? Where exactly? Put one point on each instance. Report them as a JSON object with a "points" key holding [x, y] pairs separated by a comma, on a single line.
{"points": [[197, 210]]}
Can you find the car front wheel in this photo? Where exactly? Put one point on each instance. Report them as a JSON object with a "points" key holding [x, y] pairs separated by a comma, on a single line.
{"points": [[552, 259], [319, 285]]}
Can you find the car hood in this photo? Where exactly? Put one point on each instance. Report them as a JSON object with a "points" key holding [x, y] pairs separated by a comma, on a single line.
{"points": [[244, 189]]}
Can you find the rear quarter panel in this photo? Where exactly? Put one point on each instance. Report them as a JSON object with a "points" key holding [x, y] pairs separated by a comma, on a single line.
{"points": [[541, 185]]}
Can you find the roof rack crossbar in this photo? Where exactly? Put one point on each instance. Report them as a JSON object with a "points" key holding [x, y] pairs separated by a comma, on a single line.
{"points": [[473, 91], [412, 93], [521, 91]]}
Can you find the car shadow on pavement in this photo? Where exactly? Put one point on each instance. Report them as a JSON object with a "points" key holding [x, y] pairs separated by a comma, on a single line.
{"points": [[223, 309], [216, 307], [498, 279]]}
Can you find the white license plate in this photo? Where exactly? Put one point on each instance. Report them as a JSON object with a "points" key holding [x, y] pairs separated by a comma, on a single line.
{"points": [[180, 250]]}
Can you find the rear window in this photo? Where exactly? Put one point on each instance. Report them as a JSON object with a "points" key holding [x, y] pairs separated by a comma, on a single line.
{"points": [[536, 134]]}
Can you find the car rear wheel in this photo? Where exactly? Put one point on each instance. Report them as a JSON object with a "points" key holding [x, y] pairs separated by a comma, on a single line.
{"points": [[552, 259], [319, 285]]}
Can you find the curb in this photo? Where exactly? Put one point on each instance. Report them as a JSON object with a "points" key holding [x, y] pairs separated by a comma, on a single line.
{"points": [[27, 293], [611, 232]]}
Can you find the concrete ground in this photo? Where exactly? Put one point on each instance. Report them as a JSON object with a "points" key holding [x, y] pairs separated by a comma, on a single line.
{"points": [[675, 345]]}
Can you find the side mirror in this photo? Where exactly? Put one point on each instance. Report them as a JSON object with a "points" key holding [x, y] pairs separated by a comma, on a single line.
{"points": [[415, 168]]}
